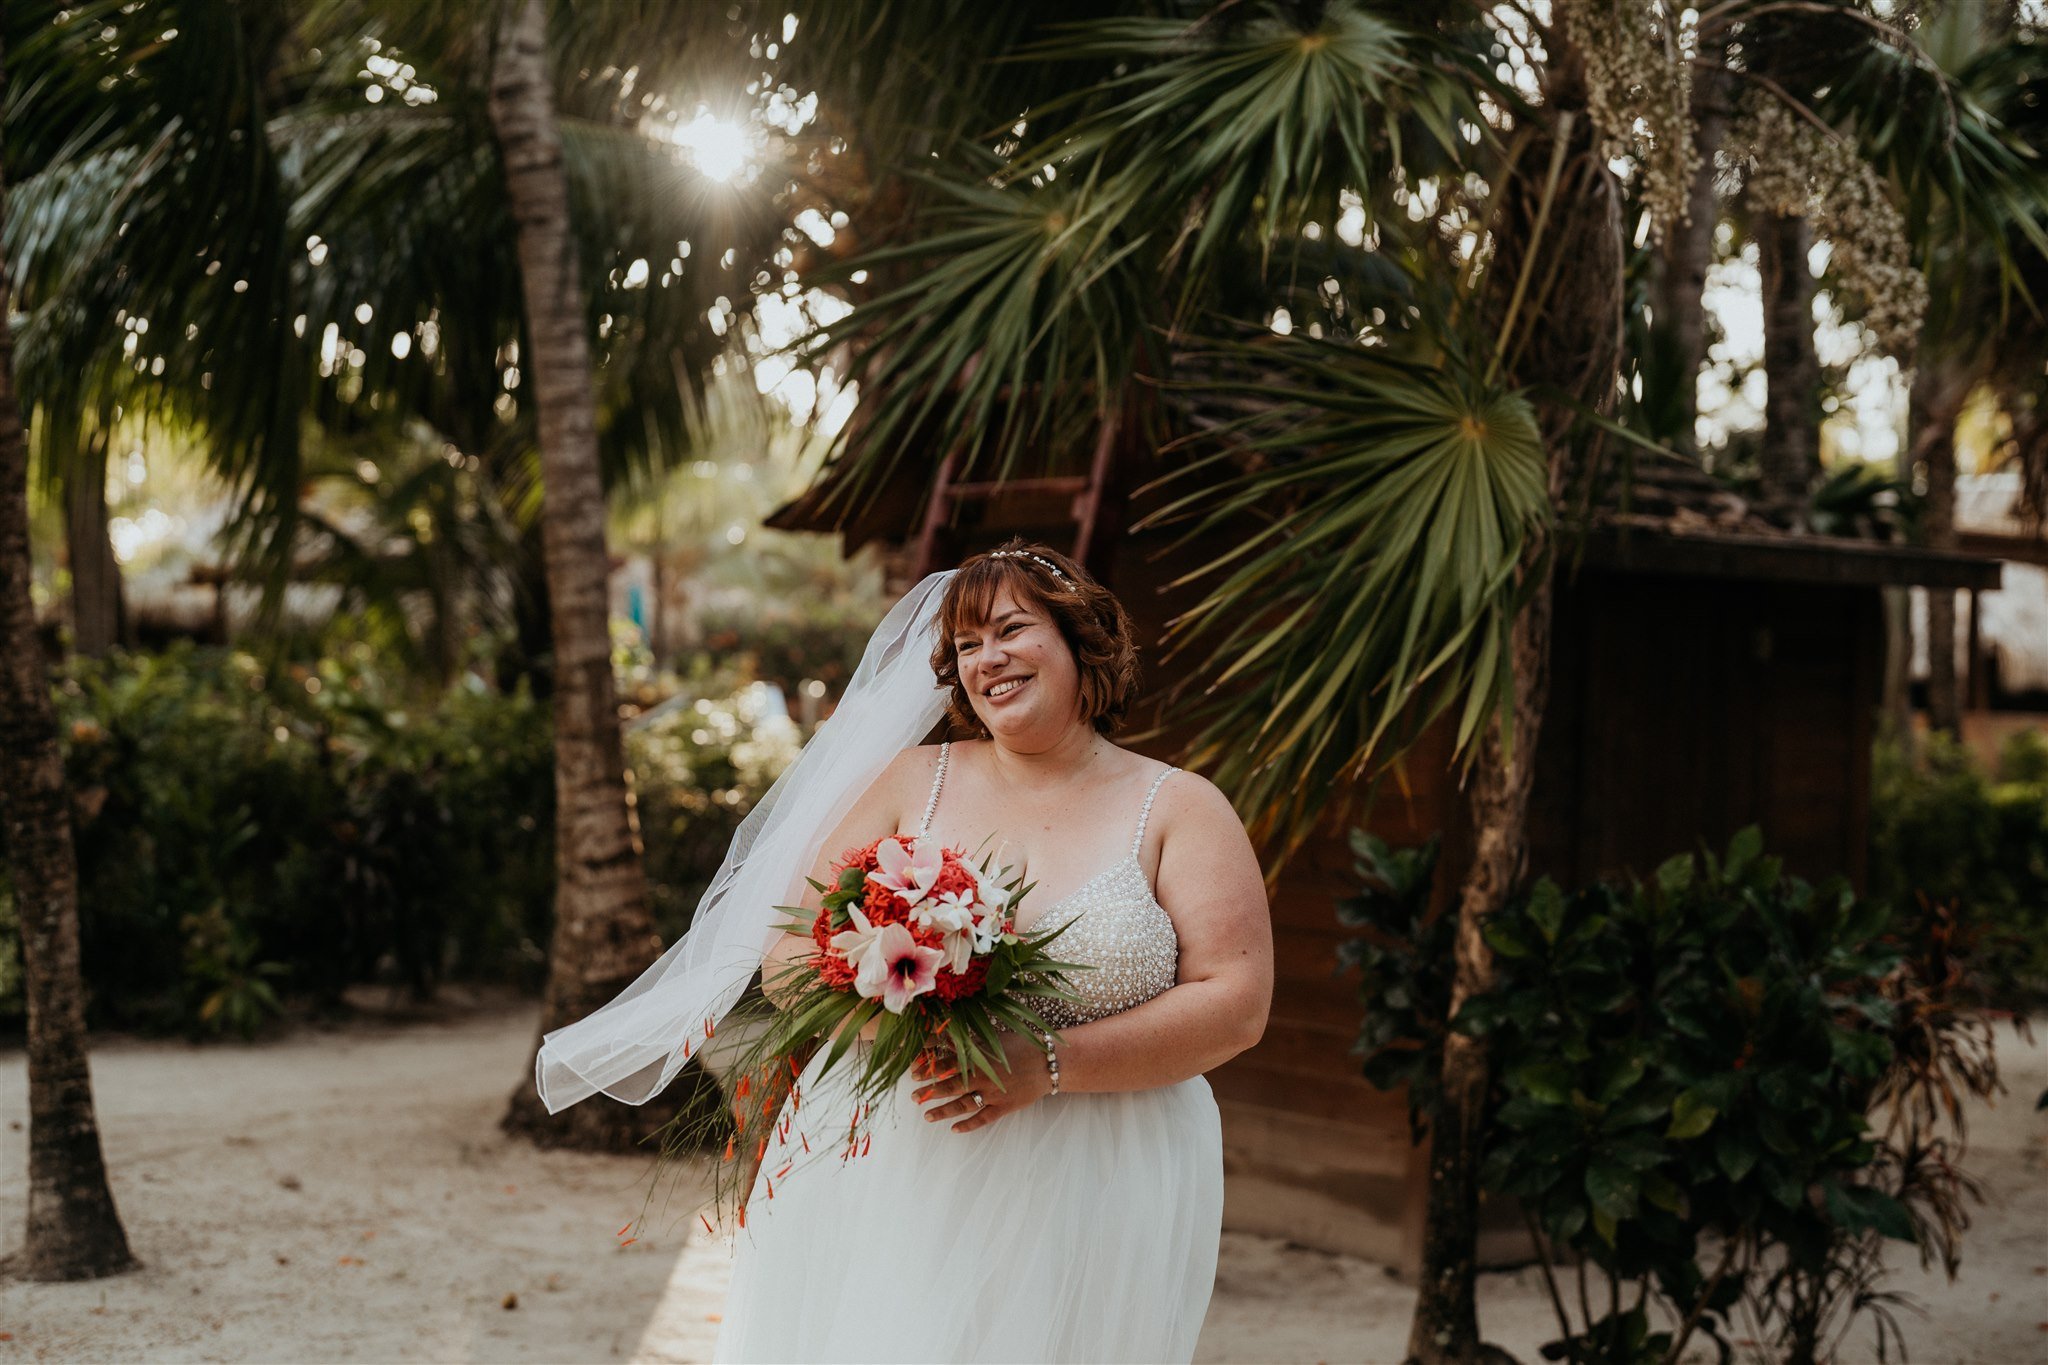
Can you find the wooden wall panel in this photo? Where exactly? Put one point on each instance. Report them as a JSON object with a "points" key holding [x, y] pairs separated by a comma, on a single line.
{"points": [[1681, 709]]}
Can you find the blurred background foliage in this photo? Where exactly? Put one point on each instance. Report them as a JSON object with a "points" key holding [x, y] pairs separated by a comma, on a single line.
{"points": [[255, 841], [1954, 840]]}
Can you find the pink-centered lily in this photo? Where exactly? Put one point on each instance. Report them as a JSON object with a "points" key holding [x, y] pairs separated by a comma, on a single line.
{"points": [[898, 969], [908, 867]]}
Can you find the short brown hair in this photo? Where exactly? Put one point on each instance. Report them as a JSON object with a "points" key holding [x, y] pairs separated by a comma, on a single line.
{"points": [[1095, 625]]}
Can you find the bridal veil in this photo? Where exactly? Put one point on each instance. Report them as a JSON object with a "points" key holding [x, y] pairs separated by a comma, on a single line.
{"points": [[633, 1046]]}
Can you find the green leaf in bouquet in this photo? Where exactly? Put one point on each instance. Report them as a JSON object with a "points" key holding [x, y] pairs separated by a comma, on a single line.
{"points": [[856, 1020], [796, 920], [978, 1018], [973, 1059], [1019, 1016], [897, 1043]]}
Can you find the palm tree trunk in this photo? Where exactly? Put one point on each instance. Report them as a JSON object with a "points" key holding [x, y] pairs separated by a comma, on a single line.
{"points": [[74, 1232], [1937, 399], [1446, 1324], [1691, 251], [1791, 436], [1580, 323], [98, 613], [604, 932]]}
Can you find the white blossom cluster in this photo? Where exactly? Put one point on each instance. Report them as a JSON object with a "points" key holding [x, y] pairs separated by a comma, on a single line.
{"points": [[1796, 169], [1639, 96]]}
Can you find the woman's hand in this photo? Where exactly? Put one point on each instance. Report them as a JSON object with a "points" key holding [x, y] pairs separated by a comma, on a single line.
{"points": [[1027, 1081]]}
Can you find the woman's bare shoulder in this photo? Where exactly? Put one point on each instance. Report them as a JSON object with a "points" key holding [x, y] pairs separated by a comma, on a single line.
{"points": [[1189, 803], [909, 773]]}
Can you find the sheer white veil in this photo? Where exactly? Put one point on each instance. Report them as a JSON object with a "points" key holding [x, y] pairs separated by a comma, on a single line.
{"points": [[633, 1046]]}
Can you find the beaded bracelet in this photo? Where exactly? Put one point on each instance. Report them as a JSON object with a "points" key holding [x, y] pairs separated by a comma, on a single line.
{"points": [[1052, 1061]]}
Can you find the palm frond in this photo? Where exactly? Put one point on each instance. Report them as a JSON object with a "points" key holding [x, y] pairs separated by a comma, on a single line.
{"points": [[1250, 125], [1021, 319], [1392, 503]]}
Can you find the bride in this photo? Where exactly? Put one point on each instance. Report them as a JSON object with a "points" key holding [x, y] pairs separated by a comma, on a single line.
{"points": [[1072, 1213]]}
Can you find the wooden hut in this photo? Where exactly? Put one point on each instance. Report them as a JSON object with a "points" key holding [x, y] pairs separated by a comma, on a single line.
{"points": [[1708, 672]]}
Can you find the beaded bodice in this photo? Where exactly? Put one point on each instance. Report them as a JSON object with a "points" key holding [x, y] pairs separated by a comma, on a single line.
{"points": [[1117, 928]]}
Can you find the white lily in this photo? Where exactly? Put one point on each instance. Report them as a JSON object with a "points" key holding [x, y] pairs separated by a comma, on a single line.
{"points": [[988, 884], [952, 914], [859, 945], [989, 930]]}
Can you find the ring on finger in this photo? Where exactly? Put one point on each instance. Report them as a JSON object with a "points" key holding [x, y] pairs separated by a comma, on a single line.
{"points": [[978, 1100]]}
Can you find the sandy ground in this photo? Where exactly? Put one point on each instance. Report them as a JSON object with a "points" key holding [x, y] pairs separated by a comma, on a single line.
{"points": [[346, 1196]]}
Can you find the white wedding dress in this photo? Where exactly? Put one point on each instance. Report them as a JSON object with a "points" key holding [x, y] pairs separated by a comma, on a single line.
{"points": [[1082, 1228]]}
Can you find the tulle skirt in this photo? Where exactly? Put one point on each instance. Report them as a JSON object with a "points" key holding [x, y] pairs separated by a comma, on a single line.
{"points": [[1084, 1228]]}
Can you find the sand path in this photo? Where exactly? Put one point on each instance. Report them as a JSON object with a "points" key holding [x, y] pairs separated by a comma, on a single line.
{"points": [[345, 1196]]}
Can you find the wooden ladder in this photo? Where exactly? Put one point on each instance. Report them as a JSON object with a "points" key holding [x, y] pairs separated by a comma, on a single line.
{"points": [[1090, 492]]}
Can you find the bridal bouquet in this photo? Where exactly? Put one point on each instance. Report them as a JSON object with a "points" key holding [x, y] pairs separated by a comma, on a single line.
{"points": [[920, 942]]}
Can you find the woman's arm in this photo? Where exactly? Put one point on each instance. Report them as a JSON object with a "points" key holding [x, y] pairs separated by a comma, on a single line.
{"points": [[1209, 882]]}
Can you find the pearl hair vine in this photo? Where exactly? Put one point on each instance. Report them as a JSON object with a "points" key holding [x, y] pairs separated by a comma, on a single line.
{"points": [[1053, 568]]}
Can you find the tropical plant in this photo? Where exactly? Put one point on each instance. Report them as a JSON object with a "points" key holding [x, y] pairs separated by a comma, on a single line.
{"points": [[1404, 964], [255, 842], [1957, 849], [1179, 177], [1719, 1092], [406, 242], [1358, 271]]}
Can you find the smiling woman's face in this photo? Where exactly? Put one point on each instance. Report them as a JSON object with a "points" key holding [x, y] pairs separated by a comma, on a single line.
{"points": [[1019, 674]]}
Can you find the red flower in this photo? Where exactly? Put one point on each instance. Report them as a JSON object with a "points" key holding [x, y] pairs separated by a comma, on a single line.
{"points": [[883, 906], [953, 986], [832, 969], [954, 878]]}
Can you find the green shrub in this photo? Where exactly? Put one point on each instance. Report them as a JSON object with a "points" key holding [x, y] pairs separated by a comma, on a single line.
{"points": [[1946, 836], [1688, 1067], [697, 770], [248, 838], [1404, 958]]}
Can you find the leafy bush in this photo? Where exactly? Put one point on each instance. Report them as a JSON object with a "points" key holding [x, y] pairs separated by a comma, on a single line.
{"points": [[1949, 841], [1689, 1067], [1404, 957], [697, 770], [251, 837]]}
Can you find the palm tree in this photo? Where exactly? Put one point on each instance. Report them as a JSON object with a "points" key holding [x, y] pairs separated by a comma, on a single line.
{"points": [[1890, 142], [1379, 284], [74, 1232], [380, 273], [604, 932], [1387, 464], [1986, 260]]}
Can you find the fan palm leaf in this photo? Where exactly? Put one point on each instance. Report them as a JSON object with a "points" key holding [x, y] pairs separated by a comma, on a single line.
{"points": [[1393, 501], [1250, 125]]}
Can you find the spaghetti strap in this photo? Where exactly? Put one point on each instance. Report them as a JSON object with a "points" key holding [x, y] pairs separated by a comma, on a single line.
{"points": [[931, 806], [1145, 811]]}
